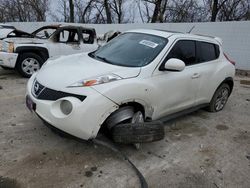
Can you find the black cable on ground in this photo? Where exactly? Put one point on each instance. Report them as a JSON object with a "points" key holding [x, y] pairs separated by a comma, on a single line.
{"points": [[115, 149]]}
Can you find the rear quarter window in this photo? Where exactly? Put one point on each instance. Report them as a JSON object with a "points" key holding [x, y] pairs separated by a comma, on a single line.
{"points": [[207, 52]]}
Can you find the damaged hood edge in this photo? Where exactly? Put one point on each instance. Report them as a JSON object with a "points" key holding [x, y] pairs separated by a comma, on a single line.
{"points": [[67, 70], [19, 34]]}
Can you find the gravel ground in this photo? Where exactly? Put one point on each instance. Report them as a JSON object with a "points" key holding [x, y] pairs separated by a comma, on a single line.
{"points": [[200, 149]]}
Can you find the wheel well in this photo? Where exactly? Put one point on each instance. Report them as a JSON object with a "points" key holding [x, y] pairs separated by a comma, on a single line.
{"points": [[112, 119], [41, 51], [37, 52], [137, 106], [230, 82]]}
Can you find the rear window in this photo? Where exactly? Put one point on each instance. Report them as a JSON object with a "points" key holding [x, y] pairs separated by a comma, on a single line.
{"points": [[207, 52]]}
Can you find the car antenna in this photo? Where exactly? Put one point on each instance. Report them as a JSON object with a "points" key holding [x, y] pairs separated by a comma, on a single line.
{"points": [[191, 29]]}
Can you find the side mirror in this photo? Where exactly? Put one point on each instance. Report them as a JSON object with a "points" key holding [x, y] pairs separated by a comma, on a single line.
{"points": [[174, 64]]}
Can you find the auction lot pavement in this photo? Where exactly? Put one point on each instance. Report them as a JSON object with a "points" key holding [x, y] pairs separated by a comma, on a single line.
{"points": [[202, 149]]}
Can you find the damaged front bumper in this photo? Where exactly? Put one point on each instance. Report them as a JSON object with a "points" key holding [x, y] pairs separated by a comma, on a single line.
{"points": [[85, 117], [8, 59]]}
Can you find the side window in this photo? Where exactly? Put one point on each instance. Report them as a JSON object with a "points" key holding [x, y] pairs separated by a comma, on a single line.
{"points": [[68, 36], [207, 52], [63, 36], [88, 37], [217, 50], [185, 51], [45, 33]]}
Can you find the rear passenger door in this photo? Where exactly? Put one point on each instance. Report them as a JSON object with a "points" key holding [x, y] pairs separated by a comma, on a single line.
{"points": [[207, 62]]}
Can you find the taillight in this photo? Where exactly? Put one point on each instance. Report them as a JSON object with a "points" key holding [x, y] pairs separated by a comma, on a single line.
{"points": [[230, 61]]}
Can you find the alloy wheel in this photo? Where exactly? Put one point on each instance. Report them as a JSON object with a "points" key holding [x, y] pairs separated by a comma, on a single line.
{"points": [[221, 99], [30, 65]]}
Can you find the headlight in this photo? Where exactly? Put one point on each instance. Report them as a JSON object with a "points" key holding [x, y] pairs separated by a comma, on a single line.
{"points": [[96, 81], [7, 47], [10, 47]]}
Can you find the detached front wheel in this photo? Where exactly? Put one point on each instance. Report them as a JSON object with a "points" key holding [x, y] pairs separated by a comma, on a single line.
{"points": [[132, 129], [28, 63]]}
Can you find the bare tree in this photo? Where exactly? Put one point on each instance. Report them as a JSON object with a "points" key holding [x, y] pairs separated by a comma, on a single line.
{"points": [[116, 6], [39, 7], [159, 9], [23, 10], [62, 11], [234, 10], [107, 10], [84, 10], [184, 11], [227, 10], [214, 6], [71, 11], [145, 10]]}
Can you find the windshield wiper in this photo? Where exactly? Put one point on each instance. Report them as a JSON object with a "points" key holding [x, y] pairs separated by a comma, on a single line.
{"points": [[103, 59], [93, 55]]}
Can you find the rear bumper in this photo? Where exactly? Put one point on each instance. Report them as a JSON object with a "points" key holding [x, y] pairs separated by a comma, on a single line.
{"points": [[8, 59]]}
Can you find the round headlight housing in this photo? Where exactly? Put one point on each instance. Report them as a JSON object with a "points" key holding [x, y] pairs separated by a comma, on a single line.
{"points": [[66, 107]]}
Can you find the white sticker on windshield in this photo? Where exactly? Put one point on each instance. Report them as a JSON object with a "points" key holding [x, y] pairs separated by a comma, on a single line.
{"points": [[148, 43]]}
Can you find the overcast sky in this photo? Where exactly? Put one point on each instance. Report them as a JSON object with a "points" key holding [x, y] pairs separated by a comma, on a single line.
{"points": [[130, 5]]}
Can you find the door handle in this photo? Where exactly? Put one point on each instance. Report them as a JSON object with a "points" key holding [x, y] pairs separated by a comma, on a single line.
{"points": [[195, 75]]}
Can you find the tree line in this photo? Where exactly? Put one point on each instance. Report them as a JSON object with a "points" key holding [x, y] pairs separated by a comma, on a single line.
{"points": [[124, 11]]}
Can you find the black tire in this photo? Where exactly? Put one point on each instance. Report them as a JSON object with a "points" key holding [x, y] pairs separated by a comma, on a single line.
{"points": [[26, 57], [6, 68], [213, 103], [138, 132]]}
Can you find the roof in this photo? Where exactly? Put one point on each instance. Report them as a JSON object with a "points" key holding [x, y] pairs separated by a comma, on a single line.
{"points": [[176, 34], [153, 32]]}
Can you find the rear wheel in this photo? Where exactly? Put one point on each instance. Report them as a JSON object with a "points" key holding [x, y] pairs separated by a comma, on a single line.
{"points": [[219, 99], [28, 63]]}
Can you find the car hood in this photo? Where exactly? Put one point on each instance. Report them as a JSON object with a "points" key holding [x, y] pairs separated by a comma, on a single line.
{"points": [[4, 32], [67, 70], [20, 40], [14, 33]]}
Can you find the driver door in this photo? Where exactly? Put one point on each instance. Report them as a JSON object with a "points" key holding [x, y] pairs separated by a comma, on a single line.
{"points": [[176, 90]]}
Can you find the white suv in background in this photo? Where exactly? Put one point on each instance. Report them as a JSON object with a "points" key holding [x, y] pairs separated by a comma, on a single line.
{"points": [[142, 75]]}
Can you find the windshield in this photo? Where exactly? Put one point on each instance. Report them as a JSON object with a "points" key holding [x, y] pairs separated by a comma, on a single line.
{"points": [[131, 49], [44, 33]]}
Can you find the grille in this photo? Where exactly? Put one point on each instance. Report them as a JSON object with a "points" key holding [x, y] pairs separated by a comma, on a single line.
{"points": [[43, 93]]}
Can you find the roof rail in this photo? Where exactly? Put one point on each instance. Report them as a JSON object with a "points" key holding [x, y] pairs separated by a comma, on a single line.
{"points": [[168, 31]]}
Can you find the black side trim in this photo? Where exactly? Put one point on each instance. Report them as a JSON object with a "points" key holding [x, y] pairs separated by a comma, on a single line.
{"points": [[181, 113]]}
